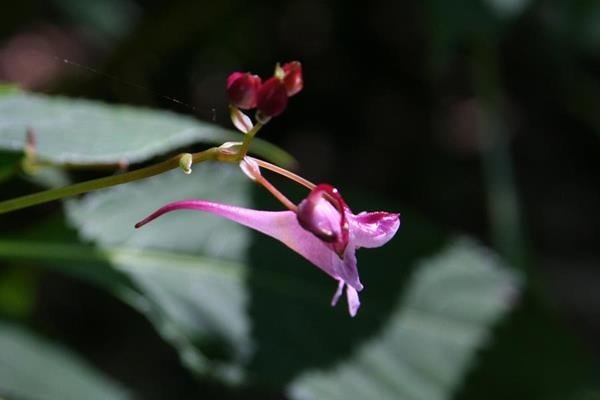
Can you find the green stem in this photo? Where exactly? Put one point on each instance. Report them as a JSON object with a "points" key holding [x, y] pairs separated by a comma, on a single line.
{"points": [[247, 140], [95, 184], [101, 183]]}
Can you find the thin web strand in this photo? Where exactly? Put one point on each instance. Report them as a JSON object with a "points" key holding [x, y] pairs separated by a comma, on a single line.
{"points": [[131, 84]]}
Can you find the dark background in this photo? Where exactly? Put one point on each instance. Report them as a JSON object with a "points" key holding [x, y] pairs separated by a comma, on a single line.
{"points": [[482, 116]]}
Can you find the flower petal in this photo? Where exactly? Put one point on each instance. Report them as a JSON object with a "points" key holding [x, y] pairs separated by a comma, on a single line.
{"points": [[271, 98], [373, 229], [320, 217], [353, 301], [250, 168], [324, 213], [292, 77], [242, 89], [281, 225], [338, 292], [348, 268], [240, 120]]}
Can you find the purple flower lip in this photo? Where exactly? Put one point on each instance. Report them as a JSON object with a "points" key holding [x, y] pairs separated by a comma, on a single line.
{"points": [[328, 237]]}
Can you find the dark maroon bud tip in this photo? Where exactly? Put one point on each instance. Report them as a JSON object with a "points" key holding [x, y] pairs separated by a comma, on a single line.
{"points": [[272, 98], [292, 78], [242, 89]]}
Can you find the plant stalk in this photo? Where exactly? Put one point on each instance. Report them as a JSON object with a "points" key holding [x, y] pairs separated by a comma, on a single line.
{"points": [[101, 183]]}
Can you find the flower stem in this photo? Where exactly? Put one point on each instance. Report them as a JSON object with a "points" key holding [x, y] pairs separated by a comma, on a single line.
{"points": [[284, 172], [276, 193], [179, 161], [95, 184], [247, 140]]}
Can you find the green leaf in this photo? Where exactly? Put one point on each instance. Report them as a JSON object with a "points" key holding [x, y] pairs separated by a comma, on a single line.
{"points": [[430, 339], [82, 131], [34, 369], [188, 268], [178, 310]]}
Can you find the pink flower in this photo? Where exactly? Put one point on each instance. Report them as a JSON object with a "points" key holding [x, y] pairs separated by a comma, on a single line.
{"points": [[242, 88], [323, 230]]}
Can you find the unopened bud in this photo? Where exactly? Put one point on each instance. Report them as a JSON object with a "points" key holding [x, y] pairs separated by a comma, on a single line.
{"points": [[242, 88], [240, 120], [272, 98], [250, 168], [292, 78], [185, 163]]}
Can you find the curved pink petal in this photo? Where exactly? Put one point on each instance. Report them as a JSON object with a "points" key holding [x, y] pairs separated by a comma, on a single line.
{"points": [[281, 225], [351, 296], [353, 301], [372, 229], [348, 268], [320, 217], [338, 292], [323, 213]]}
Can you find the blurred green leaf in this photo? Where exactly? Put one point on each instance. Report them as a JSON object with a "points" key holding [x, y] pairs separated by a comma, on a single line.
{"points": [[431, 337], [170, 289], [188, 267], [35, 369], [86, 132]]}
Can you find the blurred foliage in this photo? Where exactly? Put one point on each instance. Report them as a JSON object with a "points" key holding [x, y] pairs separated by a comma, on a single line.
{"points": [[32, 368], [425, 348], [190, 272], [85, 132], [481, 115], [188, 277]]}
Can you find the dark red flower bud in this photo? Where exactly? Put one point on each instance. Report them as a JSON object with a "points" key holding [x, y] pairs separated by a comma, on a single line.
{"points": [[242, 88], [293, 77], [272, 98]]}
